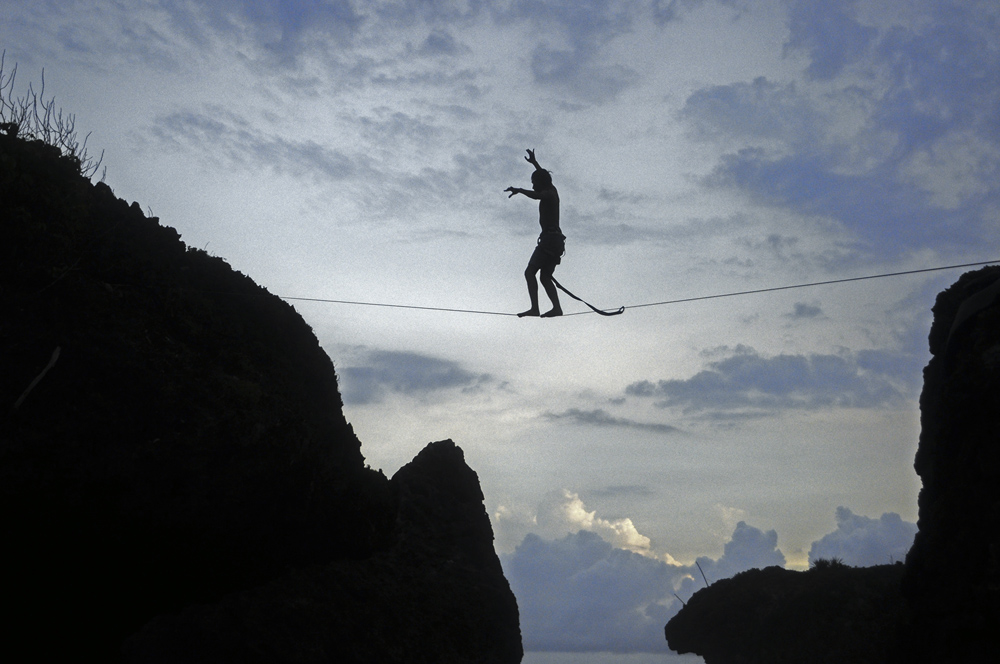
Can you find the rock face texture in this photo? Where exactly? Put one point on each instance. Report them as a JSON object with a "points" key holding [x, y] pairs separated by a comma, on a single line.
{"points": [[830, 614], [176, 468], [952, 581]]}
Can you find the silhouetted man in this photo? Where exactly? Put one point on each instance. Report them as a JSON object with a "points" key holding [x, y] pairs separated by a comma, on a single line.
{"points": [[551, 243]]}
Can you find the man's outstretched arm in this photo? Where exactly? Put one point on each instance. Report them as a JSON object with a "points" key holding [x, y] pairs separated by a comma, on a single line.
{"points": [[530, 193]]}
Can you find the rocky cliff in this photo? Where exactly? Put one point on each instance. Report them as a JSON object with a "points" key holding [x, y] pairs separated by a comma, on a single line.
{"points": [[952, 581], [831, 614], [176, 472], [944, 605]]}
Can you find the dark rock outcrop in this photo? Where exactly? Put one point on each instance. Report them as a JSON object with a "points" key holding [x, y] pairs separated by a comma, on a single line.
{"points": [[411, 603], [172, 442], [952, 581], [832, 613], [949, 590]]}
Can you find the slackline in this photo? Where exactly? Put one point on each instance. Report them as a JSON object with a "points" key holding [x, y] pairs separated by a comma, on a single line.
{"points": [[647, 304]]}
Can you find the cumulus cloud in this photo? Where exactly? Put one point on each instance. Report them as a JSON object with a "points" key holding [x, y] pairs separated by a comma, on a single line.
{"points": [[381, 372], [861, 541], [564, 512], [579, 589], [581, 592], [747, 382], [749, 548]]}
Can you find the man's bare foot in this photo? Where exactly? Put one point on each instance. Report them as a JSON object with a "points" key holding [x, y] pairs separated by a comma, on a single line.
{"points": [[552, 314], [529, 312]]}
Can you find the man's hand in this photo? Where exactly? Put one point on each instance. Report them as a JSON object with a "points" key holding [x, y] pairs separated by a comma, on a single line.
{"points": [[512, 190], [531, 158]]}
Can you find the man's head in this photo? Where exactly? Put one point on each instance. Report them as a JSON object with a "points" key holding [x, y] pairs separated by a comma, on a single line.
{"points": [[541, 179]]}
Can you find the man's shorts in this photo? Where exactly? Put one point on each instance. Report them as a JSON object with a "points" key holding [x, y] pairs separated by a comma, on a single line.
{"points": [[549, 250]]}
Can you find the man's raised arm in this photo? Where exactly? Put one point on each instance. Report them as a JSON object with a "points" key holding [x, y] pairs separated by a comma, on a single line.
{"points": [[531, 160]]}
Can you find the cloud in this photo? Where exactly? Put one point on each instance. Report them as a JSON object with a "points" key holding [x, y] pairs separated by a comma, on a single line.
{"points": [[576, 70], [747, 382], [407, 12], [568, 54], [803, 311], [223, 135], [601, 418], [564, 512], [748, 548], [580, 593], [665, 11], [759, 109], [829, 32], [878, 209], [283, 28], [440, 43], [892, 136], [633, 490], [410, 374], [861, 541]]}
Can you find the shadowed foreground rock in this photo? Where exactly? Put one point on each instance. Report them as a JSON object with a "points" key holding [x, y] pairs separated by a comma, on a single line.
{"points": [[176, 470], [952, 581], [830, 614], [438, 595]]}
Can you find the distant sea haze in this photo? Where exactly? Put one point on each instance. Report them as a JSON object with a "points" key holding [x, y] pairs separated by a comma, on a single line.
{"points": [[608, 658]]}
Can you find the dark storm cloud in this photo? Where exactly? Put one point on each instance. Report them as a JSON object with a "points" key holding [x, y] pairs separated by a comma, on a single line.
{"points": [[748, 381], [602, 418], [381, 372]]}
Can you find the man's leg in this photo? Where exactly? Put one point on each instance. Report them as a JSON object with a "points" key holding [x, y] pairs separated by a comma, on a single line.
{"points": [[529, 276], [550, 290]]}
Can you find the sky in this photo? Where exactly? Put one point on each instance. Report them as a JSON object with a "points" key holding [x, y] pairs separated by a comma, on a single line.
{"points": [[359, 151]]}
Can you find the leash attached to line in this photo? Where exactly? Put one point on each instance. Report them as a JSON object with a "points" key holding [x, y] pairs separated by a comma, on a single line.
{"points": [[596, 310]]}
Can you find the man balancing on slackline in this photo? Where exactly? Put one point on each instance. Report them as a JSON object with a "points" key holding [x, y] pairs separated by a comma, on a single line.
{"points": [[551, 243]]}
